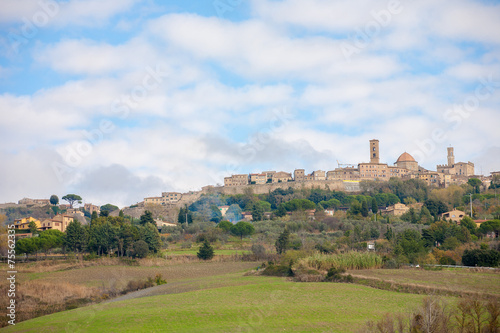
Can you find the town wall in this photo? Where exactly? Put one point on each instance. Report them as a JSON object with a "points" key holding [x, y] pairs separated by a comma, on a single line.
{"points": [[334, 184]]}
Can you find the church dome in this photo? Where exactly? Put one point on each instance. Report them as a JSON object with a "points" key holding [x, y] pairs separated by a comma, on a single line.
{"points": [[405, 157]]}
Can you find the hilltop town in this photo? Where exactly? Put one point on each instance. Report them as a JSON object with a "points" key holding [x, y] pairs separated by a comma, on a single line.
{"points": [[344, 178]]}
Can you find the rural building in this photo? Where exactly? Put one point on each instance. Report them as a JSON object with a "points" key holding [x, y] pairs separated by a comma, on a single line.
{"points": [[247, 216], [223, 210], [59, 222], [396, 210], [454, 215], [23, 224]]}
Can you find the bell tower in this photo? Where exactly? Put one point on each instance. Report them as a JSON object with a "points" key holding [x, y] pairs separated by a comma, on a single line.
{"points": [[374, 151], [451, 158]]}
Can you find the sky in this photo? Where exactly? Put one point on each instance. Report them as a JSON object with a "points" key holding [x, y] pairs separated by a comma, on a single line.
{"points": [[118, 100]]}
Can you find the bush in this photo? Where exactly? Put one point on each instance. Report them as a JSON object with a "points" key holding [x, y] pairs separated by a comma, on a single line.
{"points": [[278, 270], [259, 251], [141, 249], [480, 257], [135, 285], [159, 279], [391, 264], [336, 275], [447, 261]]}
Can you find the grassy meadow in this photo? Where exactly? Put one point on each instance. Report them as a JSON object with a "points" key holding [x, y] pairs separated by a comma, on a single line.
{"points": [[232, 303], [221, 295]]}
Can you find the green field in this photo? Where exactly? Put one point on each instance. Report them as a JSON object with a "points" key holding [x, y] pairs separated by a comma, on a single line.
{"points": [[453, 279], [220, 297], [231, 303]]}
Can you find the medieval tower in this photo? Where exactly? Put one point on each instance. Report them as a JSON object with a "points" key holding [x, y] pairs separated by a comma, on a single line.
{"points": [[451, 158], [374, 151]]}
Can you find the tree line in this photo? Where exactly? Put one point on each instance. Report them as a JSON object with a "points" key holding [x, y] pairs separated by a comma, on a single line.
{"points": [[103, 236]]}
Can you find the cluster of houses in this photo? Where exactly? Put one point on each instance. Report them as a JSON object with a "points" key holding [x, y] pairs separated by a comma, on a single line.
{"points": [[406, 167], [59, 222]]}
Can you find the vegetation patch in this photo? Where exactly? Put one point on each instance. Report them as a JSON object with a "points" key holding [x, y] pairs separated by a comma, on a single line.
{"points": [[350, 260], [278, 270]]}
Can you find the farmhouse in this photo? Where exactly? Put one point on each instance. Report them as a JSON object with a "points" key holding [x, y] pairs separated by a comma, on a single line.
{"points": [[454, 215]]}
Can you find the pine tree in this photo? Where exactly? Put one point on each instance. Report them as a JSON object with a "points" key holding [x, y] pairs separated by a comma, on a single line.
{"points": [[147, 217], [206, 251], [282, 242]]}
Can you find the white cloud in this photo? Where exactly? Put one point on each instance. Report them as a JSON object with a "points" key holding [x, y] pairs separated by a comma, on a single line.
{"points": [[212, 114], [319, 14], [257, 50], [28, 174], [91, 58], [14, 10], [88, 13]]}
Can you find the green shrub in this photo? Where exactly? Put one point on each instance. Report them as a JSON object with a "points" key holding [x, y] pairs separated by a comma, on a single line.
{"points": [[391, 264], [141, 249], [278, 270], [259, 251], [159, 279], [336, 275], [447, 261], [482, 258]]}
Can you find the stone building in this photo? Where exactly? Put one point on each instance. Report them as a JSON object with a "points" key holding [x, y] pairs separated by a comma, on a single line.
{"points": [[299, 175], [459, 169], [166, 198], [396, 209], [454, 215], [281, 177], [258, 178], [33, 202], [92, 208], [236, 180], [59, 222]]}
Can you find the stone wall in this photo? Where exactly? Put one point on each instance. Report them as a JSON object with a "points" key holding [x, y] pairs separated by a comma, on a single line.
{"points": [[337, 185]]}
